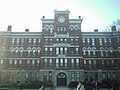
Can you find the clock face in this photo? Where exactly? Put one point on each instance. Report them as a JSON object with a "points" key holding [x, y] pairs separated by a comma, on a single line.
{"points": [[61, 19]]}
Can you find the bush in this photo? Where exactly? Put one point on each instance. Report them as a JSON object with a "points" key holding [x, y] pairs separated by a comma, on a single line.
{"points": [[73, 84], [35, 84], [31, 85]]}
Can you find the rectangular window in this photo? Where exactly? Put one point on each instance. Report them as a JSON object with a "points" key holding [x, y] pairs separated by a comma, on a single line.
{"points": [[93, 41], [102, 62], [33, 62], [61, 50], [22, 40], [1, 61], [72, 50], [94, 61], [38, 40], [72, 62], [51, 41], [57, 63], [20, 62], [66, 51], [100, 41], [46, 50], [45, 62], [4, 41], [78, 76], [77, 62], [17, 41], [71, 40], [105, 41], [57, 51], [57, 40], [34, 41], [61, 62], [89, 64], [65, 62], [77, 50], [50, 62], [58, 29], [85, 62], [73, 76], [15, 62], [13, 41], [28, 61], [83, 40], [51, 50], [46, 41], [10, 62], [76, 40], [38, 63], [64, 30], [65, 40], [61, 30], [110, 42], [101, 52], [88, 41], [30, 40], [61, 40]]}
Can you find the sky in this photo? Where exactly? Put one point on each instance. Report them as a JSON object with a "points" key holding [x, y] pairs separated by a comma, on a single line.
{"points": [[27, 14]]}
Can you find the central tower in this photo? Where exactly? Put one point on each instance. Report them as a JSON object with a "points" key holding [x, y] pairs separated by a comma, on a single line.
{"points": [[61, 48]]}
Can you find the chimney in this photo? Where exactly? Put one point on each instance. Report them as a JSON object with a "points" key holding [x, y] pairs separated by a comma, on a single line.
{"points": [[95, 30], [113, 28], [43, 17], [26, 30], [79, 17], [9, 29]]}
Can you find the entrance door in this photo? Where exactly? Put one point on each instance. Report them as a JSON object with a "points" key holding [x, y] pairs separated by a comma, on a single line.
{"points": [[61, 79]]}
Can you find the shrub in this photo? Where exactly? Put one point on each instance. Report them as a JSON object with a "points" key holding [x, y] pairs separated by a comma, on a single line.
{"points": [[31, 85], [36, 84]]}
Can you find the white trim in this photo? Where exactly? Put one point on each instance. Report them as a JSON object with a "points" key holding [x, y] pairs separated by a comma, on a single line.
{"points": [[58, 57]]}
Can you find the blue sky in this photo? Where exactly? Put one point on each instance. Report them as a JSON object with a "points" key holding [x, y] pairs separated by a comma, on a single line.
{"points": [[22, 14]]}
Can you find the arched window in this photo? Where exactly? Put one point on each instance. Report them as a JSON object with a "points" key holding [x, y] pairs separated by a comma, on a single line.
{"points": [[33, 51], [106, 51], [111, 50], [38, 51], [12, 51], [46, 29], [94, 50], [21, 51], [29, 51], [89, 51], [2, 51], [51, 29], [76, 29], [84, 51], [71, 29], [17, 51], [101, 51]]}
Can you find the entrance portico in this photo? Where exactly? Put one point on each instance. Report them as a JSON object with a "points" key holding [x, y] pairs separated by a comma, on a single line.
{"points": [[61, 79]]}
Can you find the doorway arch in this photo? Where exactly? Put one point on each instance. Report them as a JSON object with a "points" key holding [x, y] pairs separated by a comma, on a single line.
{"points": [[61, 79]]}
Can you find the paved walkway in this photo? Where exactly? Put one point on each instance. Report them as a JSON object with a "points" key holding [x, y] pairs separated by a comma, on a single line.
{"points": [[62, 88]]}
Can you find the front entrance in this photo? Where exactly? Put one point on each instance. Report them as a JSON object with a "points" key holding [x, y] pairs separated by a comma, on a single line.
{"points": [[61, 79]]}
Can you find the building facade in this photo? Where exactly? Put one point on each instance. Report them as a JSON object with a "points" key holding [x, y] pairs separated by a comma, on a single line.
{"points": [[60, 53]]}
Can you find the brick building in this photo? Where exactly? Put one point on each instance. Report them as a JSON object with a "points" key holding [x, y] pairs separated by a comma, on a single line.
{"points": [[60, 53]]}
